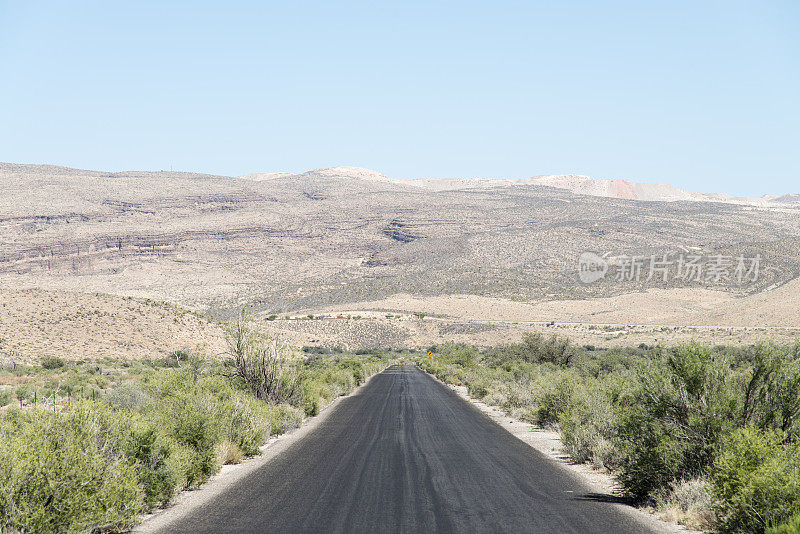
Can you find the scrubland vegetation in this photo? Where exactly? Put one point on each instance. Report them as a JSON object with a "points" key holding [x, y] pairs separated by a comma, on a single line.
{"points": [[91, 446], [708, 436]]}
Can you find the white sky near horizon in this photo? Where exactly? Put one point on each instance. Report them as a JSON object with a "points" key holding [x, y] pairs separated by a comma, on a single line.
{"points": [[702, 95]]}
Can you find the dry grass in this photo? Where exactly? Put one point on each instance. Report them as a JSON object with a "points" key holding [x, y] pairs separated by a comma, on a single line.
{"points": [[690, 504], [228, 453]]}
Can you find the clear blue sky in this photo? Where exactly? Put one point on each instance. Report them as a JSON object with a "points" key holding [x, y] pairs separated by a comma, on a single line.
{"points": [[702, 94]]}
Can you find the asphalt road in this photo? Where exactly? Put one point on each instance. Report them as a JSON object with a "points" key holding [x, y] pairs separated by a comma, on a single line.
{"points": [[406, 454]]}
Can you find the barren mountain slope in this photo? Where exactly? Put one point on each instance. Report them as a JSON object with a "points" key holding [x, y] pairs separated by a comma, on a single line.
{"points": [[625, 189], [342, 235]]}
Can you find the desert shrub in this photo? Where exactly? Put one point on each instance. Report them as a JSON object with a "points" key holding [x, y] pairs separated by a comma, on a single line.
{"points": [[315, 349], [126, 396], [479, 386], [451, 362], [62, 472], [587, 422], [228, 453], [283, 418], [180, 355], [6, 397], [192, 426], [536, 348], [617, 360], [355, 367], [25, 392], [457, 354], [150, 449], [263, 365], [246, 423], [312, 406], [756, 479], [674, 420], [324, 381], [555, 400], [53, 362], [166, 363], [772, 390], [189, 413]]}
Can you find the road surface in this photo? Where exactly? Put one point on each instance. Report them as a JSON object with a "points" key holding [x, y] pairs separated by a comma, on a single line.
{"points": [[406, 454]]}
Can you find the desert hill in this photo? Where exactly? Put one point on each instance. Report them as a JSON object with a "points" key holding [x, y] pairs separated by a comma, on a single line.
{"points": [[283, 242], [35, 324]]}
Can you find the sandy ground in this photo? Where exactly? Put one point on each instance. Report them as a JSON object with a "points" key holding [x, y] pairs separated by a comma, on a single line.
{"points": [[775, 308]]}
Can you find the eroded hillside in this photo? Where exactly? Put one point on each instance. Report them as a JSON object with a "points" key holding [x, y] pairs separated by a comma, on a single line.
{"points": [[283, 242]]}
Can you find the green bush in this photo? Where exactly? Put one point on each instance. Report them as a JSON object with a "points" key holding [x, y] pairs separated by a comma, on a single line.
{"points": [[756, 479], [61, 472], [690, 503], [673, 423], [97, 465], [25, 392], [772, 391], [283, 418], [792, 526], [150, 450], [554, 401], [457, 354], [587, 422], [53, 362], [535, 348]]}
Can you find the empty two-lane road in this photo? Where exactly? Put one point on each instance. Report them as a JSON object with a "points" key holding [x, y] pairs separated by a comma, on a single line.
{"points": [[406, 454]]}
